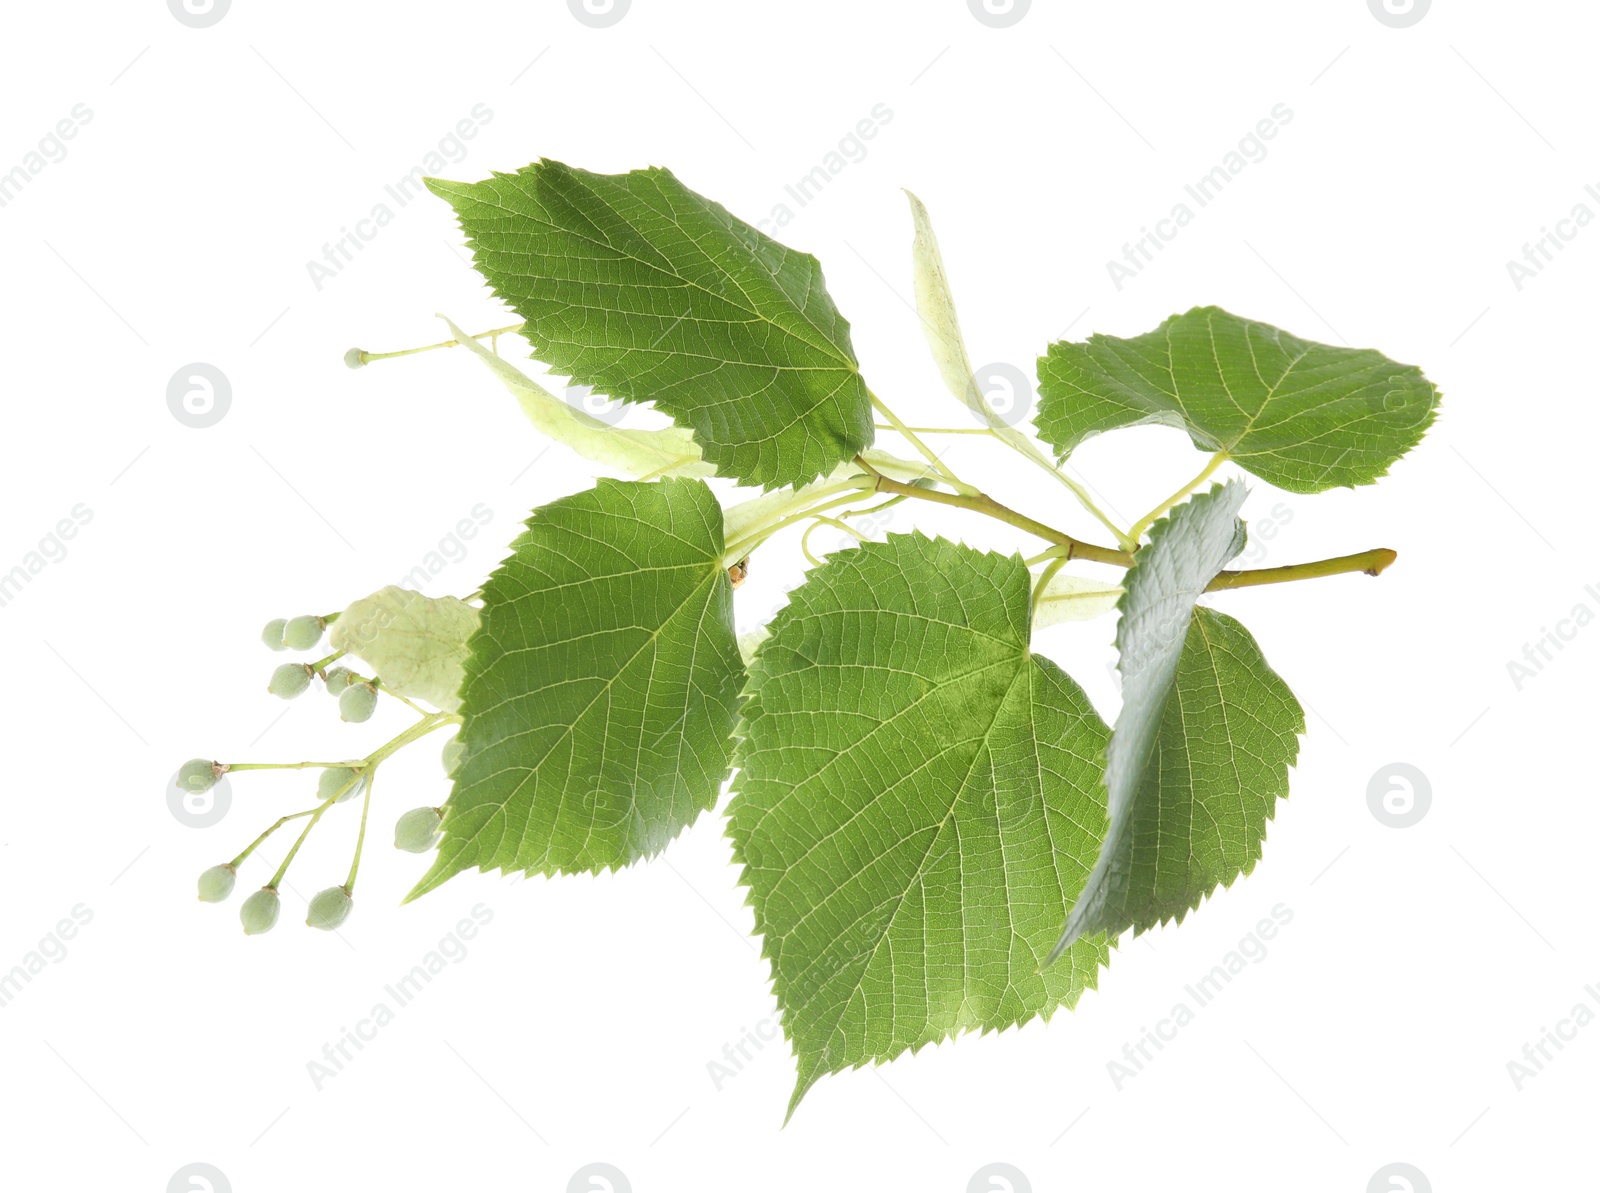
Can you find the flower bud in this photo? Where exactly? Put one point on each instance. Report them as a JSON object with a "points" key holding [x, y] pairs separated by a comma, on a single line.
{"points": [[357, 702], [289, 680], [329, 908], [417, 831], [272, 633], [216, 884], [197, 775], [337, 679], [355, 358], [340, 783], [259, 912], [302, 633]]}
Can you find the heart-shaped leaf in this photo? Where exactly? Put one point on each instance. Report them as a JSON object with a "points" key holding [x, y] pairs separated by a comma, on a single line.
{"points": [[637, 286], [600, 696], [918, 804], [1300, 415]]}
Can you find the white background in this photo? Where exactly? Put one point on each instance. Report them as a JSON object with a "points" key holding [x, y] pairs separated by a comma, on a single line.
{"points": [[579, 1027]]}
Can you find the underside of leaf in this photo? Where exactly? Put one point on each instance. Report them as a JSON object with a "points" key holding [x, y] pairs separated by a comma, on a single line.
{"points": [[1202, 747]]}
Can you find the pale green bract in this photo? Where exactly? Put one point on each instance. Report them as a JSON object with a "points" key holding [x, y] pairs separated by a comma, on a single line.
{"points": [[601, 694], [936, 307], [1300, 415], [1202, 747], [639, 287], [417, 644], [634, 452], [1073, 598], [918, 804]]}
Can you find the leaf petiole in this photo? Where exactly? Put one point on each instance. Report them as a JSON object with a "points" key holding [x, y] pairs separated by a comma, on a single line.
{"points": [[1136, 531], [1371, 562], [982, 503], [361, 835], [359, 356], [1043, 582], [937, 430], [927, 453], [753, 539]]}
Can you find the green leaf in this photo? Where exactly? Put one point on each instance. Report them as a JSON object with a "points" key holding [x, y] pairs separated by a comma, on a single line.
{"points": [[1202, 747], [1302, 416], [416, 644], [918, 804], [638, 454], [637, 286], [602, 690]]}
